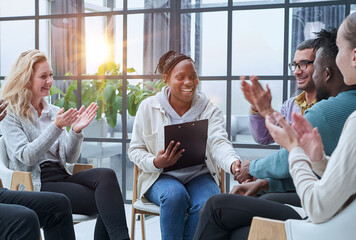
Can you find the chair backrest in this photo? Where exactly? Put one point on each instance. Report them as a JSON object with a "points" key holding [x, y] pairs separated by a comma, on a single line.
{"points": [[5, 172], [4, 159], [134, 187], [341, 226], [222, 181]]}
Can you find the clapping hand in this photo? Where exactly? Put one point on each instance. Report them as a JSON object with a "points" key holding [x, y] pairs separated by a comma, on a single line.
{"points": [[282, 133], [300, 134], [64, 119], [259, 98], [84, 117], [310, 139]]}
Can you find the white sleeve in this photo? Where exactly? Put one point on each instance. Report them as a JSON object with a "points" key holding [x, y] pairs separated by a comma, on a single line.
{"points": [[139, 152], [323, 198]]}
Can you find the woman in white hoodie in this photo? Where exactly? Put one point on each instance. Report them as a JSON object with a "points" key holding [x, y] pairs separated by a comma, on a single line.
{"points": [[179, 193]]}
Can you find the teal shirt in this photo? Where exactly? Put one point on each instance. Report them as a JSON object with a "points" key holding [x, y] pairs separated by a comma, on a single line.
{"points": [[329, 116]]}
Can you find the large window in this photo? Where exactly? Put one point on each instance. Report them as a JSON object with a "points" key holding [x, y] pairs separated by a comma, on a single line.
{"points": [[107, 51]]}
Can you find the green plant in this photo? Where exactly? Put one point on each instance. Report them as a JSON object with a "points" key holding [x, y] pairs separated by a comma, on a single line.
{"points": [[107, 93]]}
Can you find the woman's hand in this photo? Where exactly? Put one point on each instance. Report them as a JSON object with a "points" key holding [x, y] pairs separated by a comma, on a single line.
{"points": [[85, 117], [282, 133], [310, 139], [64, 119], [168, 157]]}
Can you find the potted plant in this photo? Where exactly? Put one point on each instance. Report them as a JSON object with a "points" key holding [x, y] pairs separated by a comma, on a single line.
{"points": [[107, 93]]}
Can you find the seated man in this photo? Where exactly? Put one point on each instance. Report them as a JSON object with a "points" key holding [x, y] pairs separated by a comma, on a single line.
{"points": [[302, 67], [222, 213], [260, 99], [22, 213], [328, 115]]}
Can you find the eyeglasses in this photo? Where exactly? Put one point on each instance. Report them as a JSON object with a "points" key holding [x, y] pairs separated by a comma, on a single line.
{"points": [[302, 65]]}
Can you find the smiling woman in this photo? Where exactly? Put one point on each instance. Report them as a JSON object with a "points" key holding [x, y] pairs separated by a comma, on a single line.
{"points": [[184, 190], [41, 81], [35, 142]]}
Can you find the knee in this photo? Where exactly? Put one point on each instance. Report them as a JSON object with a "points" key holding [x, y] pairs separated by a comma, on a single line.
{"points": [[197, 205], [23, 218], [106, 173], [215, 202], [175, 197], [31, 219], [60, 203]]}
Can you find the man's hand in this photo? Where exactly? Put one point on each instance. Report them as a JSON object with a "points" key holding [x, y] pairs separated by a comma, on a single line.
{"points": [[168, 157], [248, 93], [244, 174], [259, 98], [251, 188]]}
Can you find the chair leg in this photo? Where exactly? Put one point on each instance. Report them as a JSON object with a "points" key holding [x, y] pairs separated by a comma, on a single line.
{"points": [[133, 214], [142, 216]]}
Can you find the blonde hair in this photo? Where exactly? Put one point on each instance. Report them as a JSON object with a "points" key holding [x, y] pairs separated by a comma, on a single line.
{"points": [[17, 88], [350, 29]]}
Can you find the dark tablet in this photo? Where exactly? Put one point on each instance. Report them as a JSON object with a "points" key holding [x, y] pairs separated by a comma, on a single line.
{"points": [[193, 137]]}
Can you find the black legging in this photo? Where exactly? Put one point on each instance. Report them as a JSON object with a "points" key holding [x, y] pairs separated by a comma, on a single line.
{"points": [[22, 213], [229, 216], [94, 191]]}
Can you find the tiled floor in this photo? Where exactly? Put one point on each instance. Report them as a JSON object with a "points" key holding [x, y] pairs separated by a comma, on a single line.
{"points": [[85, 230]]}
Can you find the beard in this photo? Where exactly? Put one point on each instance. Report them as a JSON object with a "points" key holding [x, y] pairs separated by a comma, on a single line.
{"points": [[322, 93]]}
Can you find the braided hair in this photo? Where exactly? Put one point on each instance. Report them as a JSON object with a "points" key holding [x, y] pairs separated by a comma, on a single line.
{"points": [[169, 60]]}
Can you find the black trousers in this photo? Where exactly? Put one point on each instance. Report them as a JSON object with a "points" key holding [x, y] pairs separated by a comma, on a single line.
{"points": [[290, 198], [229, 216], [93, 191], [22, 214]]}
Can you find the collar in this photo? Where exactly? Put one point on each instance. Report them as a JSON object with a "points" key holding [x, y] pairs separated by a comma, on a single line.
{"points": [[301, 102], [45, 110]]}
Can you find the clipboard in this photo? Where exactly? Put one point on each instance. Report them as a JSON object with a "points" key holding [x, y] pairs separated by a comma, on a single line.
{"points": [[193, 137]]}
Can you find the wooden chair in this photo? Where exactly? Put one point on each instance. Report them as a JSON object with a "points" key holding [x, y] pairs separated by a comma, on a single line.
{"points": [[17, 180], [138, 207], [341, 226], [267, 229]]}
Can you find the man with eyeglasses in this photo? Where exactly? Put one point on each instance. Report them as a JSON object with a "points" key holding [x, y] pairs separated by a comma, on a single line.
{"points": [[260, 100], [328, 116]]}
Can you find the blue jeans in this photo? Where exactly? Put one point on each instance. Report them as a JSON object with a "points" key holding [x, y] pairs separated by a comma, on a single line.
{"points": [[180, 204]]}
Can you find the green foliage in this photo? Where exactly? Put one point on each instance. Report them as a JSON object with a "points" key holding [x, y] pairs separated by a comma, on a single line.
{"points": [[107, 93]]}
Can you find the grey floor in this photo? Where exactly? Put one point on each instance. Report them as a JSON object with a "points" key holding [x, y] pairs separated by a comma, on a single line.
{"points": [[85, 230]]}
